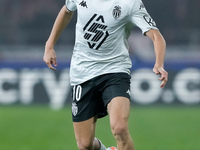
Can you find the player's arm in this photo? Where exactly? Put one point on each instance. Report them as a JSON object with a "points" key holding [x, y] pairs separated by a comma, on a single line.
{"points": [[160, 48], [61, 22]]}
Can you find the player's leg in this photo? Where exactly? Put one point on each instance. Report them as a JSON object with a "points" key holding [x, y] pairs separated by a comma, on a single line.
{"points": [[85, 135], [86, 106], [118, 109]]}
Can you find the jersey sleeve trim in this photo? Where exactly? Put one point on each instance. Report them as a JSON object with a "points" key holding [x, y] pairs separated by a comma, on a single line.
{"points": [[68, 9], [144, 32], [70, 5]]}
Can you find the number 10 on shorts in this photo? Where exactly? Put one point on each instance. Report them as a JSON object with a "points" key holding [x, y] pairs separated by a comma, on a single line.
{"points": [[77, 90]]}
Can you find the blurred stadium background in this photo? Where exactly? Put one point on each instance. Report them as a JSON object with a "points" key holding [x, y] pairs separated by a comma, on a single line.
{"points": [[161, 119]]}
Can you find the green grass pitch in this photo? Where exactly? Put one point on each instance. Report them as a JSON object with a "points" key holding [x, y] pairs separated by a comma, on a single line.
{"points": [[152, 128]]}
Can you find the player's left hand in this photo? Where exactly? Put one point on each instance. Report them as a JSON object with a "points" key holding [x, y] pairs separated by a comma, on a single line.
{"points": [[163, 73]]}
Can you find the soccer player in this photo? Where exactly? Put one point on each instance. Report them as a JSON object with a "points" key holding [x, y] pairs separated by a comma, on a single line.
{"points": [[100, 65]]}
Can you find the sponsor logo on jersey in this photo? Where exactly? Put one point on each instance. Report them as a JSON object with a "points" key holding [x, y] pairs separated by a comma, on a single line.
{"points": [[116, 12], [83, 4], [95, 31]]}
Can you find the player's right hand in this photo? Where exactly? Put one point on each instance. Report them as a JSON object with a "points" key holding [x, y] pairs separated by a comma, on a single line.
{"points": [[50, 58]]}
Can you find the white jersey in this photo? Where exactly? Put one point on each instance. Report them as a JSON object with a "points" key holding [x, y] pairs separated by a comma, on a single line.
{"points": [[102, 31]]}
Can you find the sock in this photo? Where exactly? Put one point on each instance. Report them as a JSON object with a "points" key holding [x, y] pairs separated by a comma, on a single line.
{"points": [[102, 147]]}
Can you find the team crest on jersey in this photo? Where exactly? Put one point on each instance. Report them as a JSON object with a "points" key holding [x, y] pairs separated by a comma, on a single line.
{"points": [[116, 12], [74, 109]]}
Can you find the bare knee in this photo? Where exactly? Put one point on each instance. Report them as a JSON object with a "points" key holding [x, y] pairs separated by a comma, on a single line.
{"points": [[120, 131], [85, 144]]}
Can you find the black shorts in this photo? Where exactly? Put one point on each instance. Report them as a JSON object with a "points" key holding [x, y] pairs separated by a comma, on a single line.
{"points": [[91, 97]]}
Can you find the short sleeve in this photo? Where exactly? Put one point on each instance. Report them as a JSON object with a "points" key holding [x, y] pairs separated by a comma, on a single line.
{"points": [[141, 18], [70, 4]]}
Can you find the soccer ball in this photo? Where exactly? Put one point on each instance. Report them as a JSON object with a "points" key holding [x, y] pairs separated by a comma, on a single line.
{"points": [[112, 148]]}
